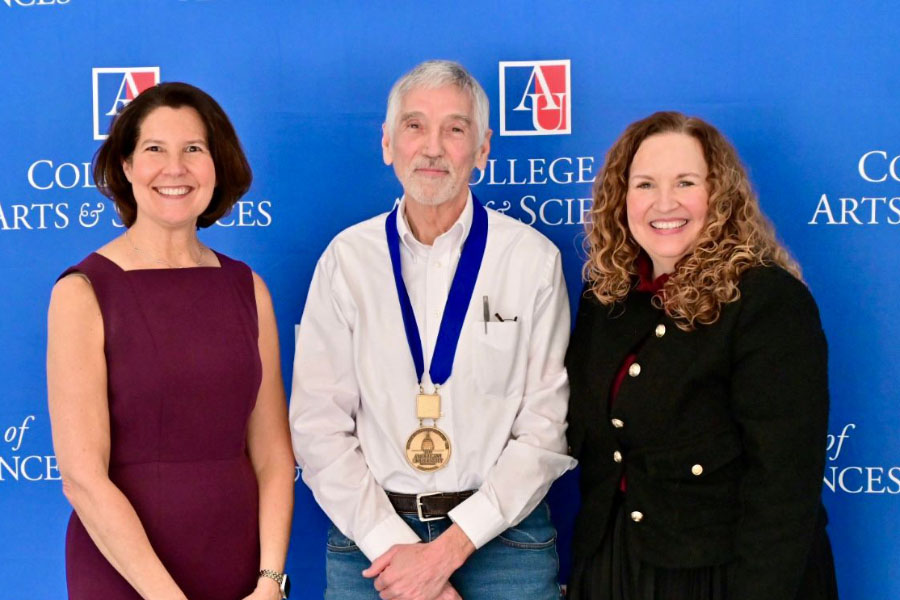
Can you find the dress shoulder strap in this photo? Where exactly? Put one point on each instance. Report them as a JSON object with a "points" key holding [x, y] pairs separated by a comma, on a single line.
{"points": [[100, 271]]}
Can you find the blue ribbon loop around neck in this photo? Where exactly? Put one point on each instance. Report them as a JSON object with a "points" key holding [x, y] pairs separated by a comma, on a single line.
{"points": [[458, 299]]}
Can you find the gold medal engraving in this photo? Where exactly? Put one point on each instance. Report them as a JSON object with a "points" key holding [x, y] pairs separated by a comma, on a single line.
{"points": [[428, 406], [428, 449]]}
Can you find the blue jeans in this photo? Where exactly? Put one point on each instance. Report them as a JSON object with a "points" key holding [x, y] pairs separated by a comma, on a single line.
{"points": [[519, 564]]}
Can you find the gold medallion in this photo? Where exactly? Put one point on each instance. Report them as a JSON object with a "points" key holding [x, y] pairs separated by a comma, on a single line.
{"points": [[428, 449]]}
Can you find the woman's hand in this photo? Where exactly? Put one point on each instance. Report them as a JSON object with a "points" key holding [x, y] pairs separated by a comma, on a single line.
{"points": [[266, 589]]}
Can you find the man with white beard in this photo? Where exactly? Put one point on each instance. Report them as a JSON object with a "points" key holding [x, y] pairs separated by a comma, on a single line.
{"points": [[429, 394]]}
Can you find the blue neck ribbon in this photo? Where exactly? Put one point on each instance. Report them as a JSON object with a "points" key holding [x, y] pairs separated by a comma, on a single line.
{"points": [[458, 299]]}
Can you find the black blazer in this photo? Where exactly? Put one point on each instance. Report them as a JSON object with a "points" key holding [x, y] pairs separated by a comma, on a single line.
{"points": [[721, 434]]}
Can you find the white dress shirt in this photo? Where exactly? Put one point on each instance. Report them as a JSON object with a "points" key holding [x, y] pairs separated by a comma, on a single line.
{"points": [[504, 406]]}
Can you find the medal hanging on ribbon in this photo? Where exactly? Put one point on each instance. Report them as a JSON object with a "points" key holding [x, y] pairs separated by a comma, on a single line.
{"points": [[428, 448]]}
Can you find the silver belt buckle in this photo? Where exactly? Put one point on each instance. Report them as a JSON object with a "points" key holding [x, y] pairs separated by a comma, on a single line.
{"points": [[422, 517]]}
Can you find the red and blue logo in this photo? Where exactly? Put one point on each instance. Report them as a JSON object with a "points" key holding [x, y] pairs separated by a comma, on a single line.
{"points": [[114, 87], [535, 97]]}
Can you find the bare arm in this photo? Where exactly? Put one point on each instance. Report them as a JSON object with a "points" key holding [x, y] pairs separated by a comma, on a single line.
{"points": [[79, 415], [269, 442]]}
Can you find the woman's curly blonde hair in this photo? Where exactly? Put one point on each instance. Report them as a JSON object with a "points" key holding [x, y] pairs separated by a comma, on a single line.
{"points": [[736, 236]]}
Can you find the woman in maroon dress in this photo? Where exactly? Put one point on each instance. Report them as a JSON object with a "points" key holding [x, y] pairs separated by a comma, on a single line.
{"points": [[165, 391]]}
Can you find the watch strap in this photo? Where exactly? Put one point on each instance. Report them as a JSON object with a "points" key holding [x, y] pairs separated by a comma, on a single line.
{"points": [[279, 578]]}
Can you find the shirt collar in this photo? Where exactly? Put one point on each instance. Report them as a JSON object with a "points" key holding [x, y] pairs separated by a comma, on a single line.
{"points": [[646, 283], [456, 234]]}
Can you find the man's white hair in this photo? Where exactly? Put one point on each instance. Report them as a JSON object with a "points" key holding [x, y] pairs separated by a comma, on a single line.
{"points": [[434, 74]]}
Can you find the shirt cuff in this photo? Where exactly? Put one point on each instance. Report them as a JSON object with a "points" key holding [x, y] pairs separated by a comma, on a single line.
{"points": [[479, 519], [392, 530]]}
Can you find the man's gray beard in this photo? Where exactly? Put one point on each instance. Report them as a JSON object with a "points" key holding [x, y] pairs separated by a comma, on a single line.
{"points": [[436, 198]]}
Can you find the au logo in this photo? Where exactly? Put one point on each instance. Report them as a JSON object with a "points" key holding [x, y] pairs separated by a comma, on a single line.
{"points": [[535, 97], [113, 88]]}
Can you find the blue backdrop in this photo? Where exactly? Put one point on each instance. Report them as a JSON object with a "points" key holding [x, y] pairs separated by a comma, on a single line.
{"points": [[807, 91]]}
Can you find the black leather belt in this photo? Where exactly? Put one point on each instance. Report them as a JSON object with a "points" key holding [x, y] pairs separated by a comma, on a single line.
{"points": [[429, 506]]}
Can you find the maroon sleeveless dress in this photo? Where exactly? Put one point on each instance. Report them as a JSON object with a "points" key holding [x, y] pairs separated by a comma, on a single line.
{"points": [[183, 373]]}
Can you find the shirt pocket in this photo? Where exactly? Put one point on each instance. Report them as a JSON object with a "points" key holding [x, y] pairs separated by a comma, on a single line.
{"points": [[494, 356]]}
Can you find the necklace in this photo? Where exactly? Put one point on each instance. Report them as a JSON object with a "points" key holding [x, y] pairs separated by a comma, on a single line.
{"points": [[155, 259]]}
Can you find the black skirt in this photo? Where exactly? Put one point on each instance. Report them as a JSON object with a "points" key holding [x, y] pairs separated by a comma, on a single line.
{"points": [[616, 573]]}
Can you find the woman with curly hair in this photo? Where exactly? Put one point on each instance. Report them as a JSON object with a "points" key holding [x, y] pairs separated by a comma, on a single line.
{"points": [[699, 399]]}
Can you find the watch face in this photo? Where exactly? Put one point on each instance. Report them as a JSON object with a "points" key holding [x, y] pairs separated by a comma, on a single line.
{"points": [[285, 586]]}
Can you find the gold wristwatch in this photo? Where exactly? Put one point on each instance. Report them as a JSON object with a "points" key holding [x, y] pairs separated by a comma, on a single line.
{"points": [[284, 583]]}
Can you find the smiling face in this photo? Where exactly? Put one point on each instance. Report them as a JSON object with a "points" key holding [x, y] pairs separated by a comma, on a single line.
{"points": [[667, 197], [171, 171], [434, 145]]}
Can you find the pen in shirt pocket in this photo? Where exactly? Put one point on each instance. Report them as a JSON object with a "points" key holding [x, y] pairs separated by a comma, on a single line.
{"points": [[487, 312]]}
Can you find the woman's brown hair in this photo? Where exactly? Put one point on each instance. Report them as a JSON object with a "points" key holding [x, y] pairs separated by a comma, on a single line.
{"points": [[735, 237], [233, 174]]}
